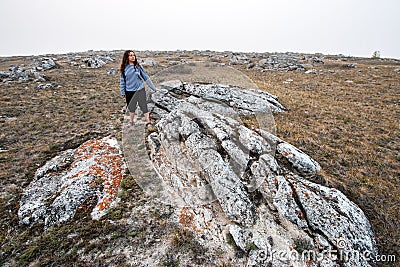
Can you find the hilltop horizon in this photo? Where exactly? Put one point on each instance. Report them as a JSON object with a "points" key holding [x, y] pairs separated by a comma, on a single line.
{"points": [[374, 54]]}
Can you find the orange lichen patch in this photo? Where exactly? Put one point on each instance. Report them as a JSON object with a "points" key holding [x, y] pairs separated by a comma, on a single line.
{"points": [[80, 173], [276, 182], [309, 262], [102, 206], [86, 205], [264, 182], [287, 153], [104, 163], [195, 219], [186, 217], [110, 168]]}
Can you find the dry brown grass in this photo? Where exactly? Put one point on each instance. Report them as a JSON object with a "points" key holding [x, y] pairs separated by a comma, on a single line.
{"points": [[350, 128]]}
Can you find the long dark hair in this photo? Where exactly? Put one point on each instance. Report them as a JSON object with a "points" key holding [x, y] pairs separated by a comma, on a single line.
{"points": [[125, 60]]}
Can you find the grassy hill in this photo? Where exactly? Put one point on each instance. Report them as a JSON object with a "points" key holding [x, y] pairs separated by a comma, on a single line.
{"points": [[345, 114]]}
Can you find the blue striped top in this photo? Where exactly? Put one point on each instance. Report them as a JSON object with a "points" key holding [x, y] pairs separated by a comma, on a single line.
{"points": [[134, 79]]}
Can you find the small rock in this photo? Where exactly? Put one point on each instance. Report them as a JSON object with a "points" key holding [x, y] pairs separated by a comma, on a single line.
{"points": [[149, 62], [288, 81], [349, 66], [312, 71], [112, 71], [250, 65], [46, 86]]}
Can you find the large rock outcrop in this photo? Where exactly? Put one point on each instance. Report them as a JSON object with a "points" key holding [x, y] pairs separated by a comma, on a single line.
{"points": [[205, 149]]}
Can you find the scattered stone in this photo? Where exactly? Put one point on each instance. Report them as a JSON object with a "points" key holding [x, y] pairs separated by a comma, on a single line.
{"points": [[251, 65], [19, 73], [239, 60], [46, 86], [112, 71], [4, 74], [149, 62], [289, 80], [397, 70], [317, 60], [43, 64], [96, 61], [312, 71], [281, 63], [5, 118], [349, 66]]}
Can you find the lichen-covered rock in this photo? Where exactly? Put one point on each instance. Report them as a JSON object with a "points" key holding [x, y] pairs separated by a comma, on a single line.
{"points": [[29, 72], [84, 178], [96, 61], [205, 150], [22, 74], [150, 62], [43, 64], [300, 161], [234, 96]]}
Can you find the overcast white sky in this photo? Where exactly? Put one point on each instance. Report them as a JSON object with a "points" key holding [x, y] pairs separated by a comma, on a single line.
{"points": [[348, 27]]}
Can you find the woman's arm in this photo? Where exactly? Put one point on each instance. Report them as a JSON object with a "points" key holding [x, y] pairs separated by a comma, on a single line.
{"points": [[146, 78], [122, 84]]}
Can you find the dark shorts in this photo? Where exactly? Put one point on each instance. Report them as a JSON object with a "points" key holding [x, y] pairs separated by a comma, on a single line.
{"points": [[135, 98]]}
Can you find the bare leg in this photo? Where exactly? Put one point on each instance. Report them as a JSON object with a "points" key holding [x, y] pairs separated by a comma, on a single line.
{"points": [[147, 116], [132, 116]]}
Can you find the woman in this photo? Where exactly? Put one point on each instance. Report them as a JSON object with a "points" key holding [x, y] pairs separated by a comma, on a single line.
{"points": [[132, 86]]}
